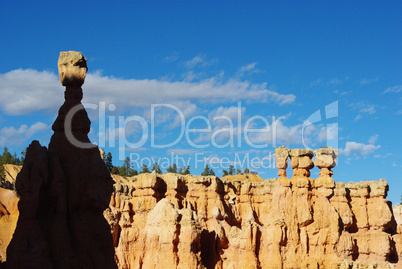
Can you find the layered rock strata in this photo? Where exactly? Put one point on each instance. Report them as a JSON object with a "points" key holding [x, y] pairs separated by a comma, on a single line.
{"points": [[206, 222], [64, 190]]}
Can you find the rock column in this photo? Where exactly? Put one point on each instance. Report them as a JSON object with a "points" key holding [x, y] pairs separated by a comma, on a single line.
{"points": [[282, 155], [64, 190], [325, 159]]}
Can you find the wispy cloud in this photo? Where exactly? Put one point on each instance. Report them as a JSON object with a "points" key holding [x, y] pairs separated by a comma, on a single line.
{"points": [[335, 81], [12, 136], [394, 89], [199, 60], [383, 156], [363, 108], [172, 57], [248, 69], [183, 151], [365, 81], [22, 91], [332, 81]]}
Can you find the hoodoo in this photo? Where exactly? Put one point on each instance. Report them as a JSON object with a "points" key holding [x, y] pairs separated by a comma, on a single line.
{"points": [[64, 190]]}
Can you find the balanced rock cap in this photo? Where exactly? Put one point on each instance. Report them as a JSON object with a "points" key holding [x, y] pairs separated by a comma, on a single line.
{"points": [[72, 68], [281, 155], [325, 157]]}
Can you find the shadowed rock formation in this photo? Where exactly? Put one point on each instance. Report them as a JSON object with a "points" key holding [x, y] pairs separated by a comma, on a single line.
{"points": [[64, 190]]}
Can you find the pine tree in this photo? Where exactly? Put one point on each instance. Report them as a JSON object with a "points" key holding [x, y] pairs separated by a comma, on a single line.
{"points": [[108, 162], [133, 172], [231, 169], [23, 154], [238, 171], [186, 170], [246, 170], [7, 158], [225, 173], [115, 170], [156, 168], [144, 169], [127, 165], [2, 173], [206, 171], [122, 170], [172, 168], [211, 172]]}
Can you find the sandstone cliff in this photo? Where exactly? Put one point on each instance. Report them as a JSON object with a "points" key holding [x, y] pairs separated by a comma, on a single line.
{"points": [[206, 222], [8, 219], [10, 171]]}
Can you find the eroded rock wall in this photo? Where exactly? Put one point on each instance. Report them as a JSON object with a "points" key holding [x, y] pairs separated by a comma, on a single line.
{"points": [[205, 222]]}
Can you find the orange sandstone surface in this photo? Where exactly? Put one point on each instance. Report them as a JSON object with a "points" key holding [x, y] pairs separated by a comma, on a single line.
{"points": [[206, 222]]}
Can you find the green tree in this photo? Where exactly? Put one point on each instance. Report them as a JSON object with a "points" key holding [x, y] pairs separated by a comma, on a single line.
{"points": [[225, 173], [238, 171], [23, 154], [231, 169], [2, 173], [122, 171], [144, 169], [246, 170], [211, 172], [206, 171], [133, 172], [180, 171], [172, 168], [109, 162], [127, 167], [186, 170], [7, 158], [115, 170], [401, 200], [156, 168]]}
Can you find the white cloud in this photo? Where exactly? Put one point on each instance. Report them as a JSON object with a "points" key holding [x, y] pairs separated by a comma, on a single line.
{"points": [[360, 149], [248, 69], [365, 81], [183, 151], [363, 108], [335, 81], [17, 136], [172, 57], [382, 156], [394, 89], [199, 60], [23, 92], [373, 139], [231, 112]]}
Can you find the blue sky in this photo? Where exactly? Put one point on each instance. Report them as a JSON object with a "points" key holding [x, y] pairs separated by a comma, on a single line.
{"points": [[214, 62]]}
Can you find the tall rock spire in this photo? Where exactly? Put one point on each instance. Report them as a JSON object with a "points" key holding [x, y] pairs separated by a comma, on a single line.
{"points": [[64, 190]]}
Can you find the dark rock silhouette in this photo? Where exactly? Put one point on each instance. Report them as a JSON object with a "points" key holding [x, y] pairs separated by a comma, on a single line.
{"points": [[64, 190]]}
